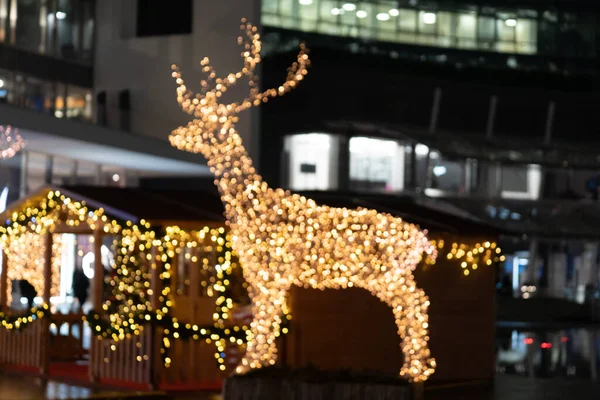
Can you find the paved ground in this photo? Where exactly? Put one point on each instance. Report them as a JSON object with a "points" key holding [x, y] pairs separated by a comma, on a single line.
{"points": [[28, 388], [519, 388], [506, 388]]}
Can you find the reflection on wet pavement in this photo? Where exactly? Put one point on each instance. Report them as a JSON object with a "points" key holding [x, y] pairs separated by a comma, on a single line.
{"points": [[521, 388], [548, 353]]}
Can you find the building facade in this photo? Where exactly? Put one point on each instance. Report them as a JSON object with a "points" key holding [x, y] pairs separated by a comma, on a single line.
{"points": [[487, 107]]}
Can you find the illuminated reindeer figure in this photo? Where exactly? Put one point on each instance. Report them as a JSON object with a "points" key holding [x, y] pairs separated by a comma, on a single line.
{"points": [[284, 239]]}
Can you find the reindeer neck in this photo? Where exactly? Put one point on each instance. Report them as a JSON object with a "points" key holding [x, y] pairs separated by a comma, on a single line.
{"points": [[235, 177]]}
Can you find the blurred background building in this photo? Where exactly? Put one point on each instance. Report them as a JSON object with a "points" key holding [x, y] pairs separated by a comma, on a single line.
{"points": [[485, 109]]}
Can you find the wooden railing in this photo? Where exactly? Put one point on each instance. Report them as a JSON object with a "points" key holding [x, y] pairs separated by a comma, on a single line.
{"points": [[24, 348], [66, 337], [128, 361], [193, 365]]}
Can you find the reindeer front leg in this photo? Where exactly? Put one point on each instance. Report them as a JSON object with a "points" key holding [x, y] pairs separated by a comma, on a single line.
{"points": [[269, 303], [409, 305]]}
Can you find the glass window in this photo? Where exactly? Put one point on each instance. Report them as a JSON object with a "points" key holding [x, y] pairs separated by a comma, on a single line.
{"points": [[428, 21], [487, 32], [308, 9], [376, 164], [526, 33], [365, 15], [521, 182], [386, 24], [88, 26], [506, 29], [79, 103], [288, 8], [348, 16], [7, 87], [329, 17], [62, 170], [59, 102], [87, 173], [36, 170], [66, 30], [446, 176], [312, 161], [28, 30], [466, 34], [270, 6], [407, 20]]}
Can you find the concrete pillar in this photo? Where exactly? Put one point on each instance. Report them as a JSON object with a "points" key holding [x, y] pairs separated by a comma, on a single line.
{"points": [[343, 171], [530, 275], [557, 274], [49, 171], [491, 121], [489, 180], [24, 174]]}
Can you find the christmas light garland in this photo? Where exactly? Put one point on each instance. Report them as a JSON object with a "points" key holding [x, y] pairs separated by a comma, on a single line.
{"points": [[130, 309], [20, 322], [469, 256]]}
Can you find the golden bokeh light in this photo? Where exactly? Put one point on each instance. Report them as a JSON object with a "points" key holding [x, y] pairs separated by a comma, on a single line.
{"points": [[284, 239]]}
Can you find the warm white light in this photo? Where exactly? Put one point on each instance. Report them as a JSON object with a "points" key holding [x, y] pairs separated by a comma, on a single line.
{"points": [[296, 242], [394, 12], [383, 16], [305, 2], [116, 178], [511, 22], [349, 7], [439, 170], [11, 142], [361, 14], [336, 11], [429, 18], [421, 150], [1, 83], [61, 15]]}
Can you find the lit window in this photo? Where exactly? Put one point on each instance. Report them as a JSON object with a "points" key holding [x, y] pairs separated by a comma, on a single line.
{"points": [[312, 161], [376, 164]]}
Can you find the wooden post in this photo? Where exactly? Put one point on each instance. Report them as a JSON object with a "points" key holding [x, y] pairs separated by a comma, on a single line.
{"points": [[155, 338], [4, 281], [98, 282], [45, 334], [48, 268], [155, 283], [418, 391]]}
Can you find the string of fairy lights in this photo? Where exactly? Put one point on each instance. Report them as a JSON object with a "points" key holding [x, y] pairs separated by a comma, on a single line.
{"points": [[139, 250], [468, 255], [127, 308]]}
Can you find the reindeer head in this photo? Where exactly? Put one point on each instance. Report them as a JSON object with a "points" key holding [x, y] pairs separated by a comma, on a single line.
{"points": [[215, 120]]}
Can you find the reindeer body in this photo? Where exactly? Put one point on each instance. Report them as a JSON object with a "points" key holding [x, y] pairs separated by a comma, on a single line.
{"points": [[284, 239]]}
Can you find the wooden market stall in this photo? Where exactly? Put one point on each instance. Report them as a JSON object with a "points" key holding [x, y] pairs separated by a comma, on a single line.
{"points": [[169, 267]]}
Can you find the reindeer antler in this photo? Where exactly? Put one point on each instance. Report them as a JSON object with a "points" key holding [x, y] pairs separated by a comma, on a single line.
{"points": [[252, 46], [296, 73], [200, 104]]}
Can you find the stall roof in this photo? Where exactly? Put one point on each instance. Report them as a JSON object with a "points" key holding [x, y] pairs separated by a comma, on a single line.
{"points": [[135, 204], [187, 206]]}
